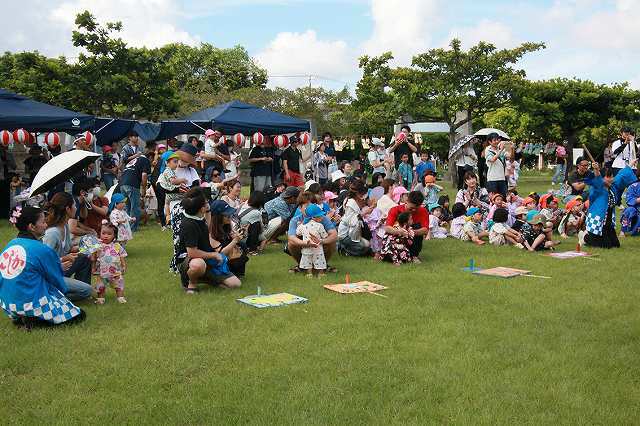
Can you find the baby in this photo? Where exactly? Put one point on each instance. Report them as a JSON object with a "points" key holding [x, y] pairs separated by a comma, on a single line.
{"points": [[109, 263], [312, 232]]}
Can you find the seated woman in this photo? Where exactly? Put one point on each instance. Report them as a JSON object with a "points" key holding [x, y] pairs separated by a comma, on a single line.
{"points": [[232, 197], [224, 240], [32, 286], [471, 195], [60, 210], [350, 239], [195, 259]]}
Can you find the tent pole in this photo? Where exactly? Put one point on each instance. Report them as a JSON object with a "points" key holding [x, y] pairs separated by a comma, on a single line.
{"points": [[204, 130], [112, 120]]}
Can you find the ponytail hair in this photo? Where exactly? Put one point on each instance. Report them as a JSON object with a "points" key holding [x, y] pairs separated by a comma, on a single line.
{"points": [[57, 208]]}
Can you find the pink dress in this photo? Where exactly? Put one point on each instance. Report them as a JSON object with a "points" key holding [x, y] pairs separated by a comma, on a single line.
{"points": [[109, 265]]}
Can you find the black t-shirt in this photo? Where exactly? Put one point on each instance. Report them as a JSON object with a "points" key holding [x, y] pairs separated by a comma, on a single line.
{"points": [[223, 149], [194, 234], [33, 164], [293, 157], [402, 149], [575, 177], [132, 174], [261, 168]]}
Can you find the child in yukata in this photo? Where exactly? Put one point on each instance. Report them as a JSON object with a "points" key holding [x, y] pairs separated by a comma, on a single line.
{"points": [[435, 230], [109, 263], [120, 219], [473, 229], [500, 233], [311, 230]]}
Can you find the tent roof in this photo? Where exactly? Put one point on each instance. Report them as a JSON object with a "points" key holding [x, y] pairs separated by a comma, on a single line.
{"points": [[109, 130], [235, 117], [20, 112]]}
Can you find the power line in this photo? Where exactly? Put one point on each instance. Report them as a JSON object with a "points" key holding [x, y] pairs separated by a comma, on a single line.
{"points": [[310, 77]]}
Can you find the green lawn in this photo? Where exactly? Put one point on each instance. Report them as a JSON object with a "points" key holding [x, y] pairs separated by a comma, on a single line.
{"points": [[444, 347]]}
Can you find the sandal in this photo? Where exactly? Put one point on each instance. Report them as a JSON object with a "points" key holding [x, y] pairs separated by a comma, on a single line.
{"points": [[194, 290], [295, 270]]}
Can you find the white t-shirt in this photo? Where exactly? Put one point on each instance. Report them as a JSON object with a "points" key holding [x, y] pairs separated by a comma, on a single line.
{"points": [[622, 159], [209, 146], [376, 155], [495, 169], [188, 173]]}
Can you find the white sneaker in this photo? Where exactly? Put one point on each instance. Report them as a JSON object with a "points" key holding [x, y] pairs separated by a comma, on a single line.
{"points": [[121, 300], [100, 301]]}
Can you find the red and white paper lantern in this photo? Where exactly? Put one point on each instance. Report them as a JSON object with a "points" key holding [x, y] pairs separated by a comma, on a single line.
{"points": [[6, 138], [305, 138], [281, 141], [257, 138], [89, 137], [238, 139], [21, 136], [52, 139]]}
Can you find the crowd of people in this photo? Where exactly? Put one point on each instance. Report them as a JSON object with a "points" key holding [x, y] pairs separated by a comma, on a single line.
{"points": [[384, 205]]}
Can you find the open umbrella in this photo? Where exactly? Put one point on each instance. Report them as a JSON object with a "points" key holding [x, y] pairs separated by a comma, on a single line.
{"points": [[61, 169], [110, 192], [460, 143], [487, 130]]}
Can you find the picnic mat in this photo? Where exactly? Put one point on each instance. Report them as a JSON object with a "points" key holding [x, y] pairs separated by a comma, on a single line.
{"points": [[272, 300], [502, 272], [357, 287], [569, 254]]}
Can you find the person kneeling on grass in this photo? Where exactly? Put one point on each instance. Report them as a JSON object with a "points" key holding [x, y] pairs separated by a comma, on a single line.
{"points": [[396, 246], [535, 236], [473, 230], [500, 233], [419, 219], [295, 244], [200, 263]]}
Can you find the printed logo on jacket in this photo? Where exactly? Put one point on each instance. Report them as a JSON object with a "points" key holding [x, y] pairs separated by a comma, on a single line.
{"points": [[12, 262]]}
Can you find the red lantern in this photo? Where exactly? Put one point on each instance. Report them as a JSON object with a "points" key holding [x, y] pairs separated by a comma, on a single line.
{"points": [[238, 139], [52, 139], [89, 137], [21, 136], [281, 141], [305, 138], [6, 138], [257, 138]]}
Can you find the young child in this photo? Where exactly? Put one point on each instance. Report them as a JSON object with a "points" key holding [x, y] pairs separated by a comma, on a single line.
{"points": [[430, 189], [406, 172], [512, 170], [435, 230], [171, 183], [311, 230], [395, 248], [550, 210], [500, 233], [443, 201], [424, 166], [399, 194], [120, 219], [109, 263], [573, 219], [150, 203], [530, 203], [458, 219], [534, 236], [520, 218], [473, 229]]}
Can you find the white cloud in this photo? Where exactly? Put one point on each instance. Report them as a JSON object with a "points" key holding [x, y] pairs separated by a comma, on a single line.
{"points": [[304, 54], [494, 32], [403, 28]]}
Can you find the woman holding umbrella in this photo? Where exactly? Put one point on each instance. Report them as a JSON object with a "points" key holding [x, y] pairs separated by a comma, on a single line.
{"points": [[32, 285]]}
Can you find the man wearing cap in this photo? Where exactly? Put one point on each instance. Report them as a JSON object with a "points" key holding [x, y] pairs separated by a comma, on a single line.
{"points": [[376, 157], [624, 150], [420, 218], [291, 163], [216, 153], [261, 160], [134, 183], [108, 167], [279, 212]]}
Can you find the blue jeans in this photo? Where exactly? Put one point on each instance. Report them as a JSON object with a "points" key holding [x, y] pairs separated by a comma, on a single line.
{"points": [[80, 269], [77, 290], [558, 174], [133, 203], [108, 180]]}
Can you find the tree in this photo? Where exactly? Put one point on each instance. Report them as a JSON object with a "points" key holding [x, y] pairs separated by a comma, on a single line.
{"points": [[575, 105], [116, 80], [520, 126]]}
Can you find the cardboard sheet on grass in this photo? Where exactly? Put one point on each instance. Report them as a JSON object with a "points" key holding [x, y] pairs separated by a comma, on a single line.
{"points": [[569, 254], [502, 272], [272, 300], [357, 287]]}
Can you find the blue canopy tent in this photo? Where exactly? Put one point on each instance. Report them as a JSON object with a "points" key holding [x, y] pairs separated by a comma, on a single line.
{"points": [[109, 130], [234, 117], [20, 112]]}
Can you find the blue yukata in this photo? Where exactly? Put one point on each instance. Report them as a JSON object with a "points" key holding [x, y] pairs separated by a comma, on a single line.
{"points": [[630, 219], [601, 217], [32, 283]]}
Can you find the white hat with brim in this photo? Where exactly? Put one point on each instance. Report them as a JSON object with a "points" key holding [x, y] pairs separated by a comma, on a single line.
{"points": [[337, 175], [377, 142], [308, 184]]}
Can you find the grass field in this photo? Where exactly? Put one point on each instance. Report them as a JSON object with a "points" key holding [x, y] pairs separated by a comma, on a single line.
{"points": [[445, 346]]}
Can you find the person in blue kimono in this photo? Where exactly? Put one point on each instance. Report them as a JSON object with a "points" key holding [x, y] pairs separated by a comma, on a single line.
{"points": [[606, 191], [32, 284], [630, 219]]}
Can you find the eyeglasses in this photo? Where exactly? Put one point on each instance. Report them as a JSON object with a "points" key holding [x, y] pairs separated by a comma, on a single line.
{"points": [[215, 175]]}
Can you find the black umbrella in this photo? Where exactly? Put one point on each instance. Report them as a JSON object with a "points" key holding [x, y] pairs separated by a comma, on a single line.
{"points": [[61, 169]]}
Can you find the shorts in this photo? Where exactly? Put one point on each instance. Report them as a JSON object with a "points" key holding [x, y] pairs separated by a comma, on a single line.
{"points": [[183, 267], [295, 179]]}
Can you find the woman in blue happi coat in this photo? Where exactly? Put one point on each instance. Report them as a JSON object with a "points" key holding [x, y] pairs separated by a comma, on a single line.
{"points": [[630, 219], [32, 284], [605, 194]]}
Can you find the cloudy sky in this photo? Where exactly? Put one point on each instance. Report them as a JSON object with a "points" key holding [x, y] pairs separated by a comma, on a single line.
{"points": [[591, 39]]}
